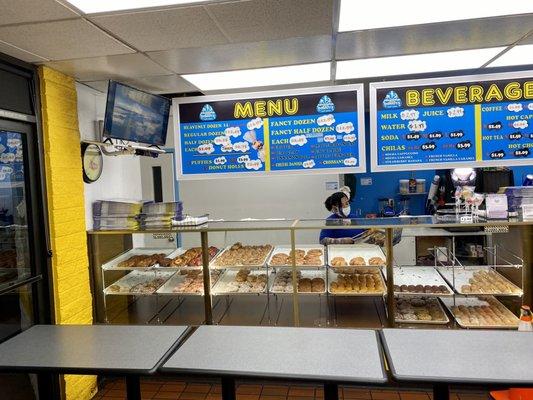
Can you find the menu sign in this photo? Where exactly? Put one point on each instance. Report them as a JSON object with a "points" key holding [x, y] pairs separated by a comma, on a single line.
{"points": [[474, 121], [318, 130]]}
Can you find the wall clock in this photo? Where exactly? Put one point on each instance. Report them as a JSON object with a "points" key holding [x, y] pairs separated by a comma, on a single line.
{"points": [[92, 162]]}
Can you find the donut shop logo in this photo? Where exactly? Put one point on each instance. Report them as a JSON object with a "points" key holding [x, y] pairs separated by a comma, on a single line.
{"points": [[325, 105], [392, 100], [207, 113]]}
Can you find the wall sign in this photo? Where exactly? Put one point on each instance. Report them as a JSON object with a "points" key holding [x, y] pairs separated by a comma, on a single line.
{"points": [[11, 158], [299, 131], [472, 121]]}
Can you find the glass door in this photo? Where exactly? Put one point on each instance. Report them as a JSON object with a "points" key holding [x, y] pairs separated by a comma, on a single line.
{"points": [[14, 241], [24, 295]]}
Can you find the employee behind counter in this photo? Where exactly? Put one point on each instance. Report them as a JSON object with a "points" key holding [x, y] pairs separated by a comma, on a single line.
{"points": [[339, 204]]}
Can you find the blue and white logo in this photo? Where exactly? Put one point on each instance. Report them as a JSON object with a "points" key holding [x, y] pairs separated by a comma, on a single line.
{"points": [[392, 100], [325, 105], [207, 113]]}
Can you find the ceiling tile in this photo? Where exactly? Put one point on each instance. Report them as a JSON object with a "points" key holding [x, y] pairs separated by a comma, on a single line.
{"points": [[152, 84], [445, 36], [164, 29], [105, 67], [12, 51], [16, 12], [101, 86], [62, 40], [527, 40], [246, 55], [163, 84], [260, 20]]}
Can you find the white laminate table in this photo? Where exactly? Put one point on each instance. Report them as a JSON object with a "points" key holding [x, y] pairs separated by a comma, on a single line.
{"points": [[324, 355], [443, 357], [130, 351]]}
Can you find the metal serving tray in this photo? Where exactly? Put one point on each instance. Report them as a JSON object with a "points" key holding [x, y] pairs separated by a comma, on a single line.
{"points": [[475, 301], [310, 274], [287, 250], [168, 288], [179, 252], [134, 278], [419, 276], [112, 265], [349, 251], [213, 263], [223, 285], [463, 274], [434, 300], [332, 277]]}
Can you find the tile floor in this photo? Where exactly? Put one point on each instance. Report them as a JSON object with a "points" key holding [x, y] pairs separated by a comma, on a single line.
{"points": [[161, 388]]}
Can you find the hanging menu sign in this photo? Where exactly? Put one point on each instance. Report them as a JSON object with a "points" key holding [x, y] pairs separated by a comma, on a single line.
{"points": [[301, 131], [473, 121]]}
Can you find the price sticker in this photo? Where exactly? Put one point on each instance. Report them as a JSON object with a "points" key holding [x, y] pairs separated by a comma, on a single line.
{"points": [[435, 135], [429, 146], [456, 134], [463, 145]]}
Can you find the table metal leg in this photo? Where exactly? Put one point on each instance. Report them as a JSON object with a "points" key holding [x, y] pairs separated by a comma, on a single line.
{"points": [[331, 391], [133, 388], [228, 389], [441, 391]]}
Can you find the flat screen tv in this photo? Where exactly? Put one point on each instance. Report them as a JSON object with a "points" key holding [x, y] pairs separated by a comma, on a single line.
{"points": [[136, 116]]}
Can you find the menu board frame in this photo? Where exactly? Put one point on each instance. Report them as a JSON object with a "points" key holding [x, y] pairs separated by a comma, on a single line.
{"points": [[398, 84], [250, 96]]}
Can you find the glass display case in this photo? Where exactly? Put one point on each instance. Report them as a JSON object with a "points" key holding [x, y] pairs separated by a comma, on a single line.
{"points": [[275, 272]]}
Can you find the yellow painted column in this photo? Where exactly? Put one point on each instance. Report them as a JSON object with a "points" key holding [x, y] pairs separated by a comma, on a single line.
{"points": [[66, 212]]}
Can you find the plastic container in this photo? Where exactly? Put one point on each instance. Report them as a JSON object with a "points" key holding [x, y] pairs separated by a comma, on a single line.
{"points": [[420, 185], [404, 186], [412, 185]]}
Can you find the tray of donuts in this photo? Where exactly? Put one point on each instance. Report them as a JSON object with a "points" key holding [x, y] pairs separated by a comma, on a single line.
{"points": [[417, 281], [481, 312], [307, 256], [362, 283], [351, 258], [312, 282], [419, 310], [137, 259], [479, 280], [239, 255], [242, 281]]}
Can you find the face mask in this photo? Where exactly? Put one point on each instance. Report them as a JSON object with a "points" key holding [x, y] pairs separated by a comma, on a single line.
{"points": [[346, 211]]}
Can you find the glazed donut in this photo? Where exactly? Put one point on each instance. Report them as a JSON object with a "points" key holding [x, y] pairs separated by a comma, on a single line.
{"points": [[376, 261], [358, 261], [338, 262]]}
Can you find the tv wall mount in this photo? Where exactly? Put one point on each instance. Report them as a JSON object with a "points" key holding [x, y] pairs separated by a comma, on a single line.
{"points": [[116, 148]]}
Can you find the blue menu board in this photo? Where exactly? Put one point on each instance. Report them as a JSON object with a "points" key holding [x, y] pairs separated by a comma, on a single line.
{"points": [[467, 121], [319, 130]]}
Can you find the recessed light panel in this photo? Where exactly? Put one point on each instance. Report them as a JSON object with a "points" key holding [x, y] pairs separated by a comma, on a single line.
{"points": [[415, 64], [98, 6], [518, 55], [261, 77], [357, 15]]}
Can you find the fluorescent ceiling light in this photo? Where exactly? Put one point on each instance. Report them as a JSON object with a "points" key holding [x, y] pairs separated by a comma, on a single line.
{"points": [[357, 15], [518, 55], [415, 64], [98, 6], [261, 77]]}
